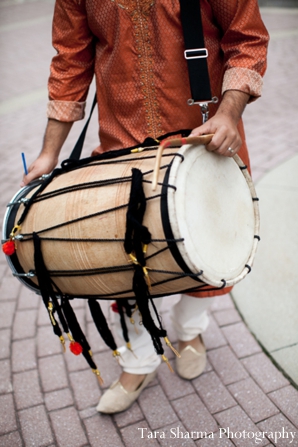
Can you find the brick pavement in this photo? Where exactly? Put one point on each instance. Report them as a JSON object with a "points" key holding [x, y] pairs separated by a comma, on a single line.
{"points": [[48, 399]]}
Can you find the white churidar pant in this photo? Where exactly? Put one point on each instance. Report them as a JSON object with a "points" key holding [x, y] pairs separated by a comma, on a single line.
{"points": [[188, 317]]}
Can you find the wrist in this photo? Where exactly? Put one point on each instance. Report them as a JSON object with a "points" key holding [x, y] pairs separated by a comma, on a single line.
{"points": [[233, 104]]}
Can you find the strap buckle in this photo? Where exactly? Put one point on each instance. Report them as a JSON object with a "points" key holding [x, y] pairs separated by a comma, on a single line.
{"points": [[196, 53], [204, 106]]}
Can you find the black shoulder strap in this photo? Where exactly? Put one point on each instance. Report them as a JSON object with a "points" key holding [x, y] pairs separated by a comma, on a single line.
{"points": [[77, 150], [195, 52]]}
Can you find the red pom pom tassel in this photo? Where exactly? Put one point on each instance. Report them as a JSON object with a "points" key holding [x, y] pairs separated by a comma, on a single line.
{"points": [[114, 307], [75, 348], [9, 248]]}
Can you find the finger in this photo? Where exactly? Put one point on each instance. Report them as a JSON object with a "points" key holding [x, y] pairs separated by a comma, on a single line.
{"points": [[204, 129], [230, 147], [219, 141], [230, 152], [32, 175]]}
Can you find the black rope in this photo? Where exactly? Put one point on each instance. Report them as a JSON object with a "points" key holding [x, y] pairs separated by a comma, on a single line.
{"points": [[101, 324], [29, 237], [89, 216], [122, 321], [45, 284], [79, 187], [41, 188], [72, 164], [140, 289], [128, 307], [76, 331], [90, 272], [136, 235]]}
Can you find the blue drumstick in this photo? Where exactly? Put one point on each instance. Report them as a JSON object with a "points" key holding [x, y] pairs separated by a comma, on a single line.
{"points": [[24, 163]]}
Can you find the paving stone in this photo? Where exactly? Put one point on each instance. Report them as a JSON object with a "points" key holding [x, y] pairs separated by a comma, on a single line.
{"points": [[233, 422], [260, 367], [156, 408], [9, 289], [102, 432], [7, 414], [5, 377], [208, 367], [24, 324], [241, 340], [96, 342], [129, 417], [43, 318], [87, 413], [27, 390], [23, 355], [172, 384], [213, 336], [108, 367], [227, 366], [227, 316], [75, 362], [28, 299], [5, 343], [35, 426], [7, 309], [137, 435], [52, 373], [218, 440], [194, 415], [11, 440], [3, 270], [287, 400], [177, 436], [68, 428], [213, 393], [280, 431], [55, 400], [47, 342], [85, 387], [252, 399]]}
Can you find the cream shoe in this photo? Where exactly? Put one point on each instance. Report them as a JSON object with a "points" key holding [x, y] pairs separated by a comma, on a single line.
{"points": [[117, 399], [191, 363]]}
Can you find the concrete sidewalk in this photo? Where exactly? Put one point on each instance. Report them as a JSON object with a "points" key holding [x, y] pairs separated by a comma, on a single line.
{"points": [[48, 399]]}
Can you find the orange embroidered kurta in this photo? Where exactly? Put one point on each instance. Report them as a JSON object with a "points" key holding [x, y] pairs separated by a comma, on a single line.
{"points": [[135, 49]]}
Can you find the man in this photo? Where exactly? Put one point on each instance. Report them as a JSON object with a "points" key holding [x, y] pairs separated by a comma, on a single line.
{"points": [[135, 49]]}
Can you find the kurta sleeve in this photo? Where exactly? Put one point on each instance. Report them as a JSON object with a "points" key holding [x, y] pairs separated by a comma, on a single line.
{"points": [[244, 44], [72, 68]]}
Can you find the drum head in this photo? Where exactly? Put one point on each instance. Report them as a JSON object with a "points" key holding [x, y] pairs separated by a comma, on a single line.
{"points": [[213, 211]]}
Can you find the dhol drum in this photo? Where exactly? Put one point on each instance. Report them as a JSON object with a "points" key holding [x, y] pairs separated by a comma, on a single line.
{"points": [[203, 218]]}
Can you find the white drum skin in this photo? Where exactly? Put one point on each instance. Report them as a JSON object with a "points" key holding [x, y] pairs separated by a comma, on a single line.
{"points": [[214, 210]]}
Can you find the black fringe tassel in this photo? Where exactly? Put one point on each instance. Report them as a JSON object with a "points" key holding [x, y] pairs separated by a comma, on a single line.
{"points": [[136, 235]]}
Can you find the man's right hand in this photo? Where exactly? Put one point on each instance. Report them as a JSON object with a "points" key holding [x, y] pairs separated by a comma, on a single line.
{"points": [[55, 135], [44, 164]]}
